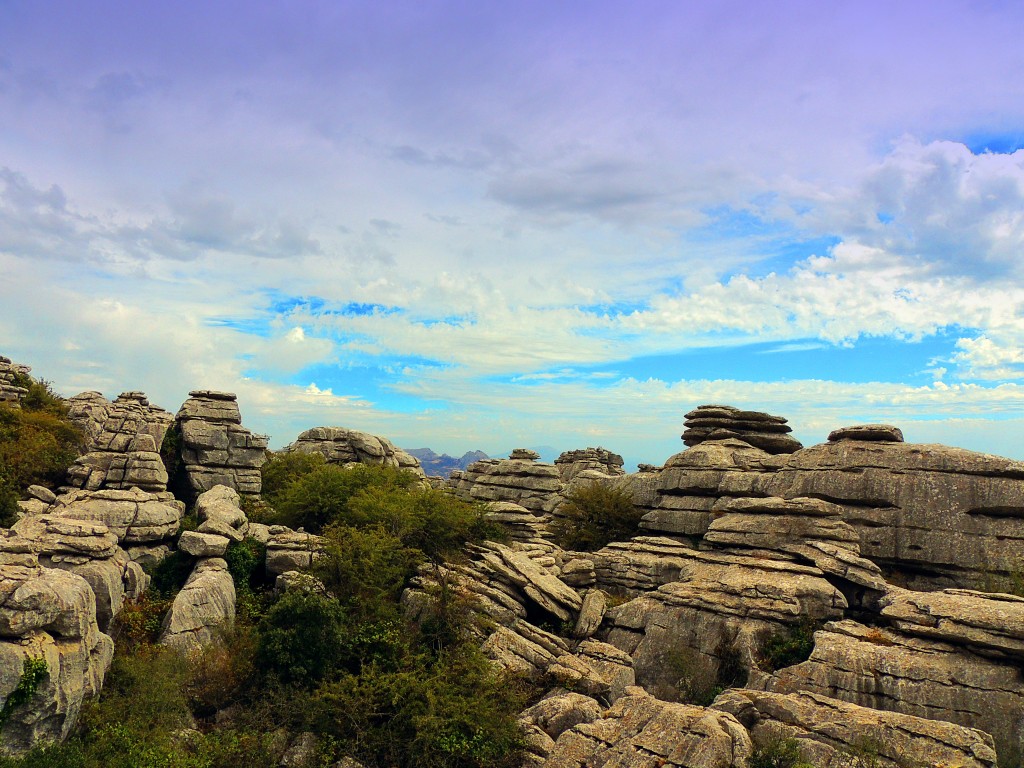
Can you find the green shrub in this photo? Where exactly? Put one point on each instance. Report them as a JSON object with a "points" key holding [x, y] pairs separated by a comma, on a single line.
{"points": [[366, 569], [595, 515], [171, 573], [789, 647], [455, 712], [302, 638], [139, 621], [281, 470], [321, 497], [32, 673], [772, 749]]}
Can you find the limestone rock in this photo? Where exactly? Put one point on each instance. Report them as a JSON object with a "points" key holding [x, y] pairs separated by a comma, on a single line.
{"points": [[204, 604], [879, 433], [10, 392], [526, 482], [522, 523], [122, 442], [347, 446], [48, 614], [220, 513], [571, 463], [718, 422], [135, 516], [885, 670], [288, 550], [216, 448], [595, 604], [199, 544], [640, 731], [831, 732]]}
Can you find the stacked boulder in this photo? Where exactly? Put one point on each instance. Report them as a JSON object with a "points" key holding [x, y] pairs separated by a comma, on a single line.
{"points": [[206, 604], [519, 479], [215, 448], [47, 622], [589, 463], [10, 392], [348, 446], [719, 422], [122, 442]]}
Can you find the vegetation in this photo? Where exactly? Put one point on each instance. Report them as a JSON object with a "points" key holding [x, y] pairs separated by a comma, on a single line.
{"points": [[789, 647], [339, 660], [32, 673], [37, 444], [776, 750], [594, 515]]}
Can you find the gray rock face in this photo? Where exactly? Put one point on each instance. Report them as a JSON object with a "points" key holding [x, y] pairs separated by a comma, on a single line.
{"points": [[526, 482], [122, 442], [48, 614], [205, 604], [719, 422], [877, 433], [10, 392], [216, 448], [571, 463], [886, 670], [288, 550], [835, 733], [640, 731], [349, 446], [134, 517], [199, 544]]}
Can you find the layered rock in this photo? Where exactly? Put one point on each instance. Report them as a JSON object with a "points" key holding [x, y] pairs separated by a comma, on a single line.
{"points": [[122, 442], [835, 733], [592, 461], [10, 391], [215, 448], [349, 446], [891, 671], [134, 517], [203, 606], [640, 730], [289, 550], [521, 523], [719, 422], [520, 479], [50, 615]]}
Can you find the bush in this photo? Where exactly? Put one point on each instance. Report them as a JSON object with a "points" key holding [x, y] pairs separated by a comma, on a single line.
{"points": [[774, 750], [789, 647], [281, 470], [302, 638], [595, 515], [453, 713], [139, 621], [322, 496], [171, 573]]}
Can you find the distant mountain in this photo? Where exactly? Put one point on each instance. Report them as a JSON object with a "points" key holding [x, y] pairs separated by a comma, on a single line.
{"points": [[442, 465]]}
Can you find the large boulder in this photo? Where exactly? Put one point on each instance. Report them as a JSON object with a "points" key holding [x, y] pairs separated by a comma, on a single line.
{"points": [[204, 605], [720, 422], [49, 615], [520, 480], [215, 448], [349, 446]]}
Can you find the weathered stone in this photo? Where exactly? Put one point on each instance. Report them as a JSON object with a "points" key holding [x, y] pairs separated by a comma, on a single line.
{"points": [[640, 731], [291, 551], [199, 544], [205, 604], [349, 446], [885, 670], [722, 422], [595, 603], [571, 463], [831, 732], [216, 448], [135, 516], [885, 433], [528, 483]]}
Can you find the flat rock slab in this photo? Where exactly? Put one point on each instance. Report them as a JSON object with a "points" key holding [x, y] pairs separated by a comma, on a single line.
{"points": [[883, 433], [200, 544]]}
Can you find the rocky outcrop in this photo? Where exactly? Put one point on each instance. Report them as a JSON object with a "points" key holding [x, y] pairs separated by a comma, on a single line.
{"points": [[640, 731], [891, 671], [215, 448], [834, 733], [874, 433], [348, 446], [521, 523], [721, 422], [289, 550], [122, 442], [50, 615], [521, 480], [571, 464], [205, 604], [134, 517], [10, 391]]}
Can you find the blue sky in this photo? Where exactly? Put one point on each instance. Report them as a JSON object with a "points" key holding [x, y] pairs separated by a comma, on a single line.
{"points": [[478, 225]]}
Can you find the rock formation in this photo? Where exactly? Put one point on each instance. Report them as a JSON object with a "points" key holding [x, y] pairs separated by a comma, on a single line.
{"points": [[215, 448], [519, 479], [49, 615], [10, 391], [720, 422], [571, 464], [348, 446], [122, 442]]}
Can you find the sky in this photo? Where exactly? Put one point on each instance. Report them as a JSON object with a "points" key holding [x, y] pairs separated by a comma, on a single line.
{"points": [[473, 225]]}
